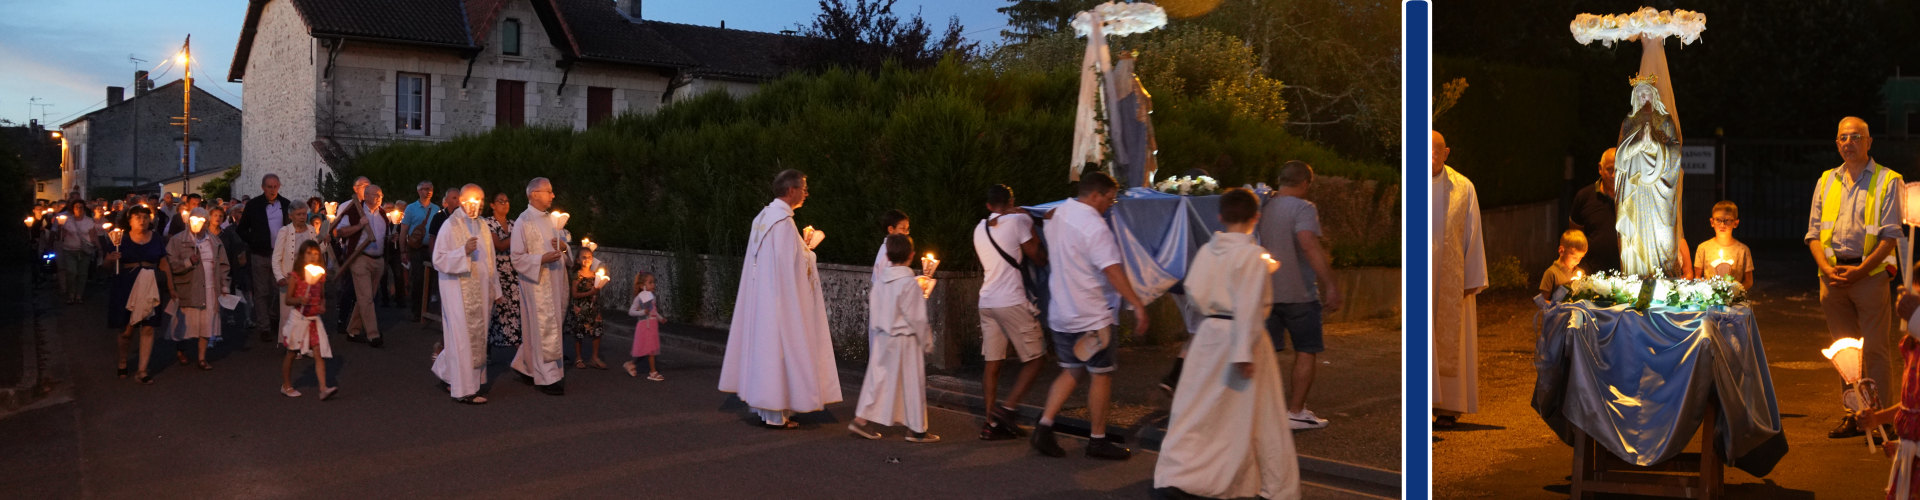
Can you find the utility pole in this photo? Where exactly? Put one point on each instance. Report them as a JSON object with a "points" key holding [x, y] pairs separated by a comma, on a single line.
{"points": [[186, 114]]}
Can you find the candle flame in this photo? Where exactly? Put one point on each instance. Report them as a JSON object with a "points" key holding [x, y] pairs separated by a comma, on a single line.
{"points": [[1576, 274], [108, 225]]}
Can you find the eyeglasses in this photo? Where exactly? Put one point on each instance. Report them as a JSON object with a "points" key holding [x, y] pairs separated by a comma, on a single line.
{"points": [[1849, 137]]}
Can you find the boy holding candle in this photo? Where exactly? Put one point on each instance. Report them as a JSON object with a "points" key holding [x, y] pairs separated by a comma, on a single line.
{"points": [[1723, 255], [895, 391], [1573, 247]]}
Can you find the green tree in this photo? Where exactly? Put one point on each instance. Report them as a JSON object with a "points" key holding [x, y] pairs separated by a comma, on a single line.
{"points": [[867, 34], [222, 186], [1029, 20]]}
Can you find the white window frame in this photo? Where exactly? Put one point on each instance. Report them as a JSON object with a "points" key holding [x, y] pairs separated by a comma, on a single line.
{"points": [[411, 100]]}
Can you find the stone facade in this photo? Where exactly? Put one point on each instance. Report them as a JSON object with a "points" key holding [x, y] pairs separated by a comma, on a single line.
{"points": [[355, 102], [279, 96], [135, 144]]}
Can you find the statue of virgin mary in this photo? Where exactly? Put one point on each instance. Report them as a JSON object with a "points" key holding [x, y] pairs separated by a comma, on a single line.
{"points": [[1647, 180]]}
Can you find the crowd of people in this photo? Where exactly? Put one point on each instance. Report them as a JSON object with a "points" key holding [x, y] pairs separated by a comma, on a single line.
{"points": [[293, 271]]}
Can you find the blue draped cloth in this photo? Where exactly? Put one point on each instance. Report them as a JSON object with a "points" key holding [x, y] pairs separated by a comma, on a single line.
{"points": [[1639, 383], [1158, 234]]}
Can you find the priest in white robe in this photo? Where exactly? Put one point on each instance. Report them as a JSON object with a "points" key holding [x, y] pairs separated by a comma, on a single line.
{"points": [[779, 355], [1459, 273], [469, 286], [1228, 434], [895, 389], [539, 262]]}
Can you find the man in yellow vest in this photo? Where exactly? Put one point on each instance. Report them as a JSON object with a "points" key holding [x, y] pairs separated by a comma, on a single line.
{"points": [[1852, 231]]}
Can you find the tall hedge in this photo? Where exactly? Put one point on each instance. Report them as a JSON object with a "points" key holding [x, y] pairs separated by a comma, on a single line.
{"points": [[689, 177], [1513, 129]]}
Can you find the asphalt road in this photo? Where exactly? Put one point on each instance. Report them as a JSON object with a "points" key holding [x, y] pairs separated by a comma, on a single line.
{"points": [[391, 432], [1507, 452]]}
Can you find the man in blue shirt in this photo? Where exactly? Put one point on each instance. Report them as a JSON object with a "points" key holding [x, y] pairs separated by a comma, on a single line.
{"points": [[414, 240]]}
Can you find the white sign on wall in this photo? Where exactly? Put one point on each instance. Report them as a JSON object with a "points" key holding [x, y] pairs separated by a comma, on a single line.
{"points": [[1697, 159]]}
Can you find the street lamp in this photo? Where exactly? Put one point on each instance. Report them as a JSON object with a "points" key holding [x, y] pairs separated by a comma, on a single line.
{"points": [[56, 134]]}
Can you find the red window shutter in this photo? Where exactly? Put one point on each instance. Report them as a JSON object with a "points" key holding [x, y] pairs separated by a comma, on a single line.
{"points": [[510, 103], [599, 105]]}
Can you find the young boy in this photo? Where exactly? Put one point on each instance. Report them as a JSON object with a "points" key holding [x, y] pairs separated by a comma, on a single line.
{"points": [[895, 222], [895, 389], [1723, 255], [1573, 247]]}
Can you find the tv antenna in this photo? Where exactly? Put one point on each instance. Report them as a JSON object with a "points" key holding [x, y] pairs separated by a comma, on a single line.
{"points": [[135, 61]]}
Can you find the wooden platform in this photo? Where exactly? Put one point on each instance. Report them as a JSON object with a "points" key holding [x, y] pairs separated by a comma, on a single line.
{"points": [[1689, 475]]}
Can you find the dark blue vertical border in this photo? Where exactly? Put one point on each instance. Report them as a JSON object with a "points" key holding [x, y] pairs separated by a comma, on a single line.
{"points": [[1415, 321]]}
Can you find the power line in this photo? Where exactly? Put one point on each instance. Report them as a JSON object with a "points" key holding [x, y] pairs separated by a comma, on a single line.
{"points": [[216, 84], [85, 110]]}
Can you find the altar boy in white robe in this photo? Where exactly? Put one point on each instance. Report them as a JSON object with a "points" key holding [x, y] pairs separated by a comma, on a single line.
{"points": [[539, 254], [1459, 273], [469, 286], [1228, 435], [779, 355], [895, 390]]}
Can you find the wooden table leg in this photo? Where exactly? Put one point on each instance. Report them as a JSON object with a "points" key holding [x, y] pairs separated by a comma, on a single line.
{"points": [[1712, 470]]}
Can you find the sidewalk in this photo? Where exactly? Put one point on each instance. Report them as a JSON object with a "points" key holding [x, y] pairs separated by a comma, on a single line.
{"points": [[1357, 388], [21, 356]]}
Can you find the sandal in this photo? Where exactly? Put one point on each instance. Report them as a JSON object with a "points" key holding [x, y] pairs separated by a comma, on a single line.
{"points": [[143, 378], [656, 377], [473, 399], [180, 356], [290, 392], [579, 364], [327, 393], [598, 364], [632, 369], [204, 366]]}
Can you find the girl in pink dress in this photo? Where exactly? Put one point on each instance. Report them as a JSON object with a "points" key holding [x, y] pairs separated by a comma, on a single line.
{"points": [[646, 330], [303, 333]]}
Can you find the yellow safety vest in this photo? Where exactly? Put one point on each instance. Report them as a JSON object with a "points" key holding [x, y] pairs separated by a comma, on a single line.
{"points": [[1830, 208]]}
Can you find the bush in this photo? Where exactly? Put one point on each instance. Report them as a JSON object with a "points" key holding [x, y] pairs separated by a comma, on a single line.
{"points": [[688, 178]]}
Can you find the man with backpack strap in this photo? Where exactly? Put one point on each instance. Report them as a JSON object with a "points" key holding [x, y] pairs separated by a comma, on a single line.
{"points": [[1007, 242]]}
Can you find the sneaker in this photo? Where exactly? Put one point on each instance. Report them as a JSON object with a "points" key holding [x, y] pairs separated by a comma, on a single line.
{"points": [[1104, 449], [922, 437], [991, 432], [1044, 442], [1005, 419], [1847, 428], [1305, 420]]}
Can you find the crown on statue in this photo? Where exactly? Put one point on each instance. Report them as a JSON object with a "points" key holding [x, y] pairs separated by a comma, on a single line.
{"points": [[1637, 80]]}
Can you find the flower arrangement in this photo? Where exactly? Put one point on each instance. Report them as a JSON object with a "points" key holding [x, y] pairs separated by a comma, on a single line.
{"points": [[1610, 288], [1685, 25], [1192, 185], [1121, 19]]}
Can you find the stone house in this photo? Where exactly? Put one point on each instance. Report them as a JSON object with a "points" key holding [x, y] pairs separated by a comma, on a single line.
{"points": [[38, 149], [133, 142], [326, 78]]}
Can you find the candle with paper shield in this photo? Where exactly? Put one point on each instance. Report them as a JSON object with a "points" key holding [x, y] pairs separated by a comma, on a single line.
{"points": [[588, 244], [196, 223], [928, 264], [29, 221], [314, 273], [600, 278], [61, 219], [560, 219], [332, 210], [811, 237], [1860, 396], [395, 217], [1272, 265]]}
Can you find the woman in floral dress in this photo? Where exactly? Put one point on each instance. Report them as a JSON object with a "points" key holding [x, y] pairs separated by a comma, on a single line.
{"points": [[505, 328]]}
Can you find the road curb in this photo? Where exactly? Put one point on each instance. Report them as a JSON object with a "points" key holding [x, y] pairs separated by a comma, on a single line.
{"points": [[963, 396]]}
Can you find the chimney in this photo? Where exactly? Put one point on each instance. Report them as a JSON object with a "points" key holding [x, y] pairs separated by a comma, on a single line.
{"points": [[115, 95], [629, 8], [723, 24], [141, 85]]}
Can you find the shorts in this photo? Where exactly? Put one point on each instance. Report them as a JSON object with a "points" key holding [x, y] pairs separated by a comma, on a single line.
{"points": [[1299, 321], [1016, 325], [1099, 362]]}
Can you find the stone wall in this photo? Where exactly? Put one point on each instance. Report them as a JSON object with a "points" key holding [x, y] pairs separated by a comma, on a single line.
{"points": [[1371, 293], [279, 101], [955, 324]]}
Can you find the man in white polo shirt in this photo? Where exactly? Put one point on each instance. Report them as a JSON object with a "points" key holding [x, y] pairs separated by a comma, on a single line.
{"points": [[1081, 249], [1007, 242]]}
